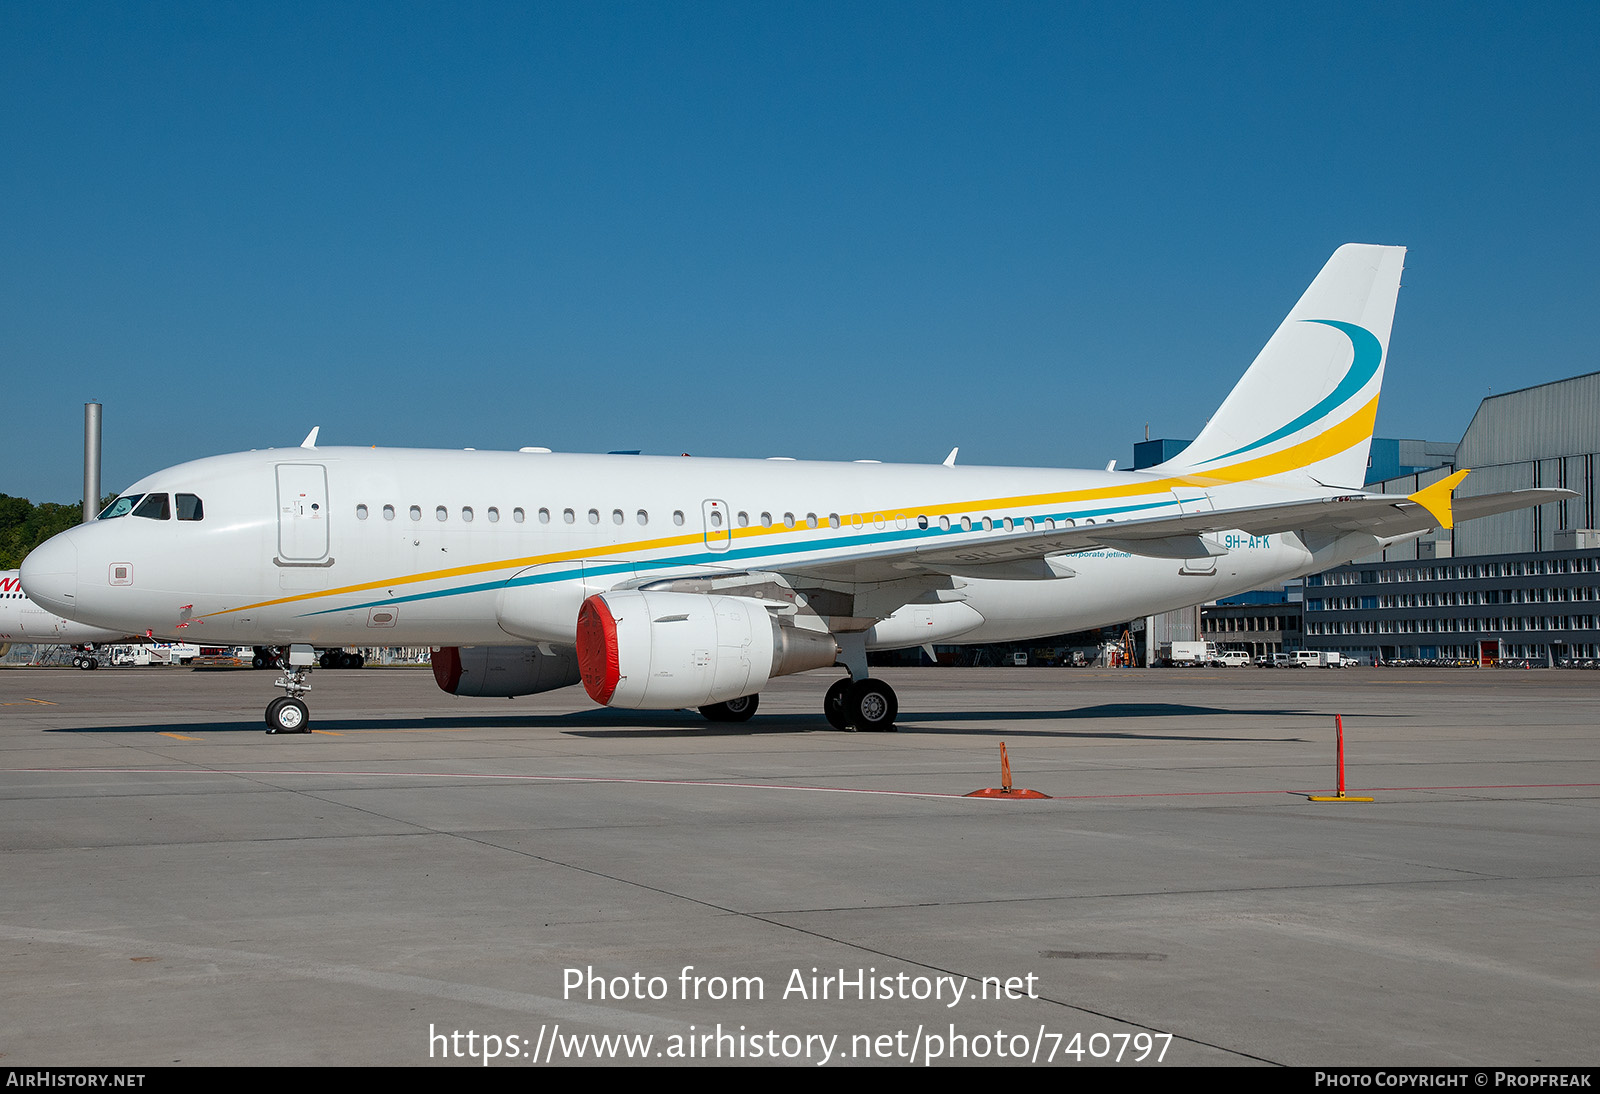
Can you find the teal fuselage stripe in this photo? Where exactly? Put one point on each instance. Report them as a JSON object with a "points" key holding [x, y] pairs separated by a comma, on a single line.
{"points": [[581, 567]]}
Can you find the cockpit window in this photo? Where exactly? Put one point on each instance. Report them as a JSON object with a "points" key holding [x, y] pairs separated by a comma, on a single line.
{"points": [[190, 508], [154, 507], [121, 507]]}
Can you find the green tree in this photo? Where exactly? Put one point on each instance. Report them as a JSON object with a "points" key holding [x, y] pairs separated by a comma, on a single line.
{"points": [[24, 525]]}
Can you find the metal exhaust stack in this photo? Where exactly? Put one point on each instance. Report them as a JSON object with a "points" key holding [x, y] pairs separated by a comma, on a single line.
{"points": [[91, 461]]}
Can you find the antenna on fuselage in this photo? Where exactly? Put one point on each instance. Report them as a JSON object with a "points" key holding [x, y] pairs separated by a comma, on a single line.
{"points": [[311, 438], [950, 460]]}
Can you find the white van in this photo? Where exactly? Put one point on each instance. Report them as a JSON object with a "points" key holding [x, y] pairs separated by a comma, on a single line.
{"points": [[1233, 659]]}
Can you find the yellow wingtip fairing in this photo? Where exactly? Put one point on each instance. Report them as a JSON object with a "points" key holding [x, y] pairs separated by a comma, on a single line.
{"points": [[1436, 499]]}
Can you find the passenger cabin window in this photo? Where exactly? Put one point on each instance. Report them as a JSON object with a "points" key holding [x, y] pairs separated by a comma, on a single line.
{"points": [[441, 513], [416, 512], [388, 512], [361, 511], [494, 515], [190, 508], [154, 507]]}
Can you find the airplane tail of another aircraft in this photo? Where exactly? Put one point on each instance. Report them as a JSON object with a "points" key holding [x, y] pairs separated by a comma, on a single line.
{"points": [[1304, 410]]}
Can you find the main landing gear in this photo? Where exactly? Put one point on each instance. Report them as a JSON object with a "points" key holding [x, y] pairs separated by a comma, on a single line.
{"points": [[741, 709], [868, 706], [859, 703], [288, 713]]}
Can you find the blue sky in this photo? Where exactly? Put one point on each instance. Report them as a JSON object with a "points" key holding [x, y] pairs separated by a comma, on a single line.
{"points": [[834, 231]]}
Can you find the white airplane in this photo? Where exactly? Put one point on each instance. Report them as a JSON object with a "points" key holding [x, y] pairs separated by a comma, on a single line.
{"points": [[665, 582], [24, 622]]}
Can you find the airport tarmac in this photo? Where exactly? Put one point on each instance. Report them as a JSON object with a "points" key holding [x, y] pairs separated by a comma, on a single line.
{"points": [[181, 888]]}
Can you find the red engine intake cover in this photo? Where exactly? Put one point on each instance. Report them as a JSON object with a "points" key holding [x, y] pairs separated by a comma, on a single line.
{"points": [[597, 650], [446, 668]]}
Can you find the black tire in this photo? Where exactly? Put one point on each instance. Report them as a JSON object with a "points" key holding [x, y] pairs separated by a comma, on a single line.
{"points": [[272, 712], [833, 704], [289, 716], [872, 706], [258, 662], [741, 709]]}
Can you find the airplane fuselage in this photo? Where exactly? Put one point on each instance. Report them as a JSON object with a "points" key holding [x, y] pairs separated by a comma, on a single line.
{"points": [[341, 546]]}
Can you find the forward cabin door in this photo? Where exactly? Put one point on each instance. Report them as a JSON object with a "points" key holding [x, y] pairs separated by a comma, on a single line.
{"points": [[302, 513]]}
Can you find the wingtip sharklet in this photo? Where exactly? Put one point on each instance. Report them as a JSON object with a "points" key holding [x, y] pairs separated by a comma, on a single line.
{"points": [[1436, 499]]}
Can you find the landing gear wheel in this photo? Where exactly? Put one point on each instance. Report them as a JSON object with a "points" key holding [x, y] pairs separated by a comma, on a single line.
{"points": [[871, 706], [258, 662], [77, 661], [734, 710], [833, 704], [286, 715]]}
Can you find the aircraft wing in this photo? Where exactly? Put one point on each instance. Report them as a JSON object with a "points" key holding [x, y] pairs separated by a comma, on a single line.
{"points": [[1046, 553]]}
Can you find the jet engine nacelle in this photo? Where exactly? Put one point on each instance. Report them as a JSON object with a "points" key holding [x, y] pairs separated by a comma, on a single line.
{"points": [[663, 650], [503, 671]]}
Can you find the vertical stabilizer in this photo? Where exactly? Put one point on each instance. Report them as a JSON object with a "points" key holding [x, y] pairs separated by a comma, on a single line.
{"points": [[1305, 408]]}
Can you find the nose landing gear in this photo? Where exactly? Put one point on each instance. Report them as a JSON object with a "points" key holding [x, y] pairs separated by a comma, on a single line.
{"points": [[288, 713]]}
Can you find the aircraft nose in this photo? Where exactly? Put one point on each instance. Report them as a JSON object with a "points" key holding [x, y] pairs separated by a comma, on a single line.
{"points": [[50, 575]]}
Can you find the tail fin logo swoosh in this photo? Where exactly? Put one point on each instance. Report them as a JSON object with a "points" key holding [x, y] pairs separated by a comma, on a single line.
{"points": [[1368, 356]]}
